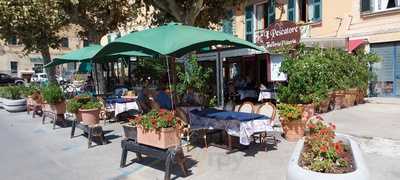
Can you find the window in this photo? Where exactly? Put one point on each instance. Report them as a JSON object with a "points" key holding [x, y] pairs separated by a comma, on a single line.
{"points": [[291, 10], [12, 40], [227, 24], [64, 42], [265, 15], [378, 5], [271, 11], [249, 23], [14, 67], [38, 68], [310, 10]]}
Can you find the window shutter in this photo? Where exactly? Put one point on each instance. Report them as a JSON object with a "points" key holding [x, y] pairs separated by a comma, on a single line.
{"points": [[271, 12], [317, 10], [365, 5], [249, 23], [291, 10]]}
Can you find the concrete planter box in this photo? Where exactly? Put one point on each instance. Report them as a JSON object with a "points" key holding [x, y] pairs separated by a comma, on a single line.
{"points": [[14, 105], [295, 172]]}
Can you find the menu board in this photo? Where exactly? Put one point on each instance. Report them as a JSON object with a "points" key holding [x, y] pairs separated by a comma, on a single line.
{"points": [[276, 75]]}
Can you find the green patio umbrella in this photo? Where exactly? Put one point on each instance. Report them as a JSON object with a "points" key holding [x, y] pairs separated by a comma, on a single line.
{"points": [[86, 54], [173, 39]]}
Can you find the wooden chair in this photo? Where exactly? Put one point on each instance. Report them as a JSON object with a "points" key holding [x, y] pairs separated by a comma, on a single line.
{"points": [[186, 131], [247, 107], [267, 109]]}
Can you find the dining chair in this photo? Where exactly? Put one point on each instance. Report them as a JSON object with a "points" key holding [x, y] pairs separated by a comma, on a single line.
{"points": [[187, 131], [269, 110], [247, 107]]}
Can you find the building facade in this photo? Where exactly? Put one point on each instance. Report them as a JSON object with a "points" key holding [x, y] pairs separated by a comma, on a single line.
{"points": [[371, 25], [15, 62]]}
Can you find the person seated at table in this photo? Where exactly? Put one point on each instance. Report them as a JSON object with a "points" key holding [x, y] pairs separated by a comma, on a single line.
{"points": [[144, 101], [190, 98], [163, 99]]}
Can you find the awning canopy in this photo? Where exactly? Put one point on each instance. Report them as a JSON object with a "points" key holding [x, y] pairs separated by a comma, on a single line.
{"points": [[86, 54], [173, 39], [355, 43]]}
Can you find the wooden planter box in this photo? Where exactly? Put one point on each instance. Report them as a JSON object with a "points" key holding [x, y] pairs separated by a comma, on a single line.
{"points": [[163, 139]]}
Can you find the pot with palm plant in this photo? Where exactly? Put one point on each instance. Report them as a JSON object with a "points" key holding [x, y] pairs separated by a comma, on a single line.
{"points": [[54, 99], [291, 120], [90, 112], [158, 129], [13, 101]]}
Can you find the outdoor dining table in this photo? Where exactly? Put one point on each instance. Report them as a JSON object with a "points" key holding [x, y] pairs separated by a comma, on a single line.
{"points": [[120, 105], [238, 124]]}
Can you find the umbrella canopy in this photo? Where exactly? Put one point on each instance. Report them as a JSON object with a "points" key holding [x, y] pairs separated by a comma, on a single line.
{"points": [[173, 39], [86, 54], [85, 67]]}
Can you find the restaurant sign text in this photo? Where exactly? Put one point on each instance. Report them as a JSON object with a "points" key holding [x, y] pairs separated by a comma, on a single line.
{"points": [[279, 34]]}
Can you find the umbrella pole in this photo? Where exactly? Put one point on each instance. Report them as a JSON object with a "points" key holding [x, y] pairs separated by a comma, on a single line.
{"points": [[97, 79], [169, 83]]}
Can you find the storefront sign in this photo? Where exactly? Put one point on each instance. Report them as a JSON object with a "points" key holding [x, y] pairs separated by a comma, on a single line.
{"points": [[279, 34]]}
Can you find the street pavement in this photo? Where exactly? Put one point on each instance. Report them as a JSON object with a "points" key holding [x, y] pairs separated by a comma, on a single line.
{"points": [[33, 151]]}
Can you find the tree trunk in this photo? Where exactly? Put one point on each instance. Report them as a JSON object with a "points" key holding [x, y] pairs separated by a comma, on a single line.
{"points": [[50, 71]]}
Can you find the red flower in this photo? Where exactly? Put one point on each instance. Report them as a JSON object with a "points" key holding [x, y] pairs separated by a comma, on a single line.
{"points": [[323, 149], [338, 148], [311, 126]]}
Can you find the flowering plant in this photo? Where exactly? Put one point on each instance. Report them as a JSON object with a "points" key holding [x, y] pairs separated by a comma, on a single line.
{"points": [[321, 152], [156, 120], [289, 112]]}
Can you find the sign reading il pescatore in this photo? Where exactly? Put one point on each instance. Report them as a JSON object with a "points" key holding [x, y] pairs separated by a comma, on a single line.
{"points": [[279, 34]]}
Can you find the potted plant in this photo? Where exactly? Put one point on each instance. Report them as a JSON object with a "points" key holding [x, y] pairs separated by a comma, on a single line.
{"points": [[89, 112], [291, 120], [324, 155], [158, 129], [13, 100], [73, 106], [54, 99]]}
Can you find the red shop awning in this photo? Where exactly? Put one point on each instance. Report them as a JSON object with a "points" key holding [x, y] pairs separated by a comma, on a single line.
{"points": [[355, 43]]}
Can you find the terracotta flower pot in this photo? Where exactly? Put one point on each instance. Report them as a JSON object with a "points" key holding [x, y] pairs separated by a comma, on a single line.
{"points": [[78, 116], [294, 130], [130, 132], [324, 106], [308, 110], [338, 97], [163, 139], [58, 108], [349, 98], [360, 96], [90, 116]]}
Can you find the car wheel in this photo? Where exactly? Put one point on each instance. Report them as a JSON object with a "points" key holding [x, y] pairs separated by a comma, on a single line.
{"points": [[19, 83]]}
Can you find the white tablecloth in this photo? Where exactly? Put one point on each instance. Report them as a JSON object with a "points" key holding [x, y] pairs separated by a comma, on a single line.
{"points": [[241, 129], [266, 95], [123, 107]]}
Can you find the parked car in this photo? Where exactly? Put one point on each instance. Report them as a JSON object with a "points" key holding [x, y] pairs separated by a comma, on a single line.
{"points": [[42, 77], [39, 78], [7, 79]]}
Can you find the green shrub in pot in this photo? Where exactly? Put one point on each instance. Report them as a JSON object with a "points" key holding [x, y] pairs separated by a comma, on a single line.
{"points": [[73, 105], [12, 92], [93, 104], [53, 94]]}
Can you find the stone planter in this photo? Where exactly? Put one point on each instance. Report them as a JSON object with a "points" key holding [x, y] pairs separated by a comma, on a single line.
{"points": [[14, 105], [295, 172], [349, 98], [58, 108], [163, 139], [294, 130], [323, 106], [130, 132], [90, 116]]}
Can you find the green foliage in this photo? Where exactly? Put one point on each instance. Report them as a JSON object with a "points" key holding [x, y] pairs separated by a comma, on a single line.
{"points": [[73, 105], [289, 112], [313, 72], [29, 90], [156, 120], [52, 94], [92, 104], [191, 12], [153, 68], [193, 77], [11, 92]]}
